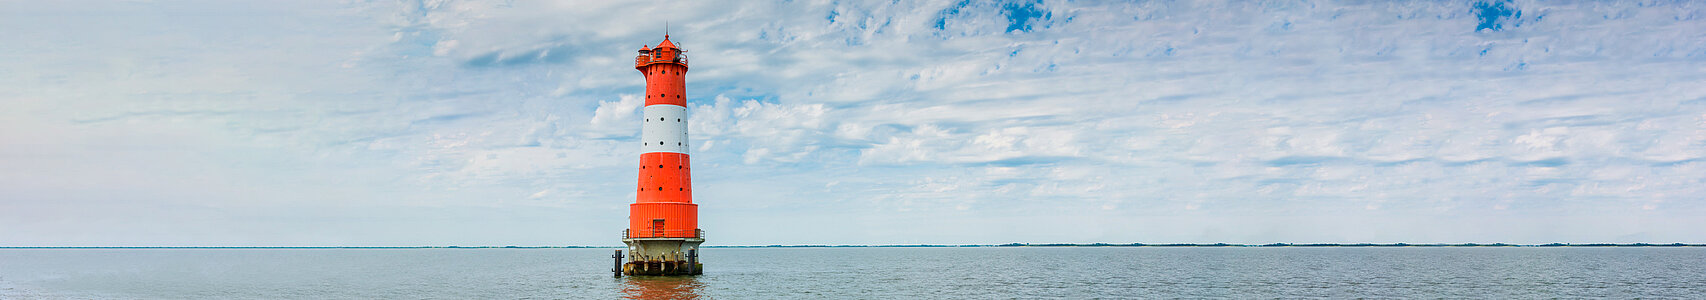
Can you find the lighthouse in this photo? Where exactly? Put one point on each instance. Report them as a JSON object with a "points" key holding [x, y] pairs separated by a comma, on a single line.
{"points": [[663, 233]]}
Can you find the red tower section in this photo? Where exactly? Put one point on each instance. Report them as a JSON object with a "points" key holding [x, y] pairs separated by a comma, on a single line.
{"points": [[663, 206]]}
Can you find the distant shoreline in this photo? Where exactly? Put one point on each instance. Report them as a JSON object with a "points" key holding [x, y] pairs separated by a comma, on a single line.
{"points": [[1215, 245]]}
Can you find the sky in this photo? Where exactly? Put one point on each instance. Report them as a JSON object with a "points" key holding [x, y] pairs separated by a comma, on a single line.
{"points": [[437, 123]]}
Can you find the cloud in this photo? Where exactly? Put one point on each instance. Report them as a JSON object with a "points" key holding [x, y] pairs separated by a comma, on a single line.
{"points": [[1152, 121], [618, 115]]}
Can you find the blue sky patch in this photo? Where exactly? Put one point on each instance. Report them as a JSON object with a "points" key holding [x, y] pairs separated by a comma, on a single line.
{"points": [[1494, 15], [1022, 15]]}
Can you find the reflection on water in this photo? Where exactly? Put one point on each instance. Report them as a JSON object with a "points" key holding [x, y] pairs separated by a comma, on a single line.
{"points": [[661, 287]]}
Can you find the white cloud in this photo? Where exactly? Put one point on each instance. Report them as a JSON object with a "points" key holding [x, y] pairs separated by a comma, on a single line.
{"points": [[617, 115], [1108, 113]]}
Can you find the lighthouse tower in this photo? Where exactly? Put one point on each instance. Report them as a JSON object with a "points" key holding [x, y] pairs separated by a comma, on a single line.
{"points": [[663, 233]]}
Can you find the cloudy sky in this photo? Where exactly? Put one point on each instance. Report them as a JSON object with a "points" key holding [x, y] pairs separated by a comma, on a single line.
{"points": [[402, 123]]}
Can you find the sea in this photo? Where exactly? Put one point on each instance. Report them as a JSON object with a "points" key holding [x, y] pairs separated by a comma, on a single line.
{"points": [[863, 273]]}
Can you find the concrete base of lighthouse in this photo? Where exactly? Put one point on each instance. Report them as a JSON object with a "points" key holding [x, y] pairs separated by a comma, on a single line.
{"points": [[663, 256]]}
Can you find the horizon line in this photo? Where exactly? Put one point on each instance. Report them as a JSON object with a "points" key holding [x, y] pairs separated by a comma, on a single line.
{"points": [[1208, 245]]}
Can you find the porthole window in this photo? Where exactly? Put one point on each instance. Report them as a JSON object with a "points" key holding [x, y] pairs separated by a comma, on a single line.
{"points": [[680, 189], [660, 167], [660, 189], [660, 95], [678, 120]]}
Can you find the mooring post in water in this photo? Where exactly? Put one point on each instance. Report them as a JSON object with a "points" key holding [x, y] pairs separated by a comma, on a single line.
{"points": [[617, 268], [693, 261]]}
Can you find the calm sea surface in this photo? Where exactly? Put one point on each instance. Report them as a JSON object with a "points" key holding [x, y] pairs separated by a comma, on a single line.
{"points": [[862, 273]]}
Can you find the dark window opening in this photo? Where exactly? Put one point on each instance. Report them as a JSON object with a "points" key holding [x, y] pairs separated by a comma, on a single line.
{"points": [[660, 189], [660, 167]]}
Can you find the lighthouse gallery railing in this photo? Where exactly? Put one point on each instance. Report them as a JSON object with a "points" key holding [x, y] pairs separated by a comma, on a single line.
{"points": [[658, 233]]}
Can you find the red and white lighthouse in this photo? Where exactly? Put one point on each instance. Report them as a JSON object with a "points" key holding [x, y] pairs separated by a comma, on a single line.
{"points": [[663, 233]]}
